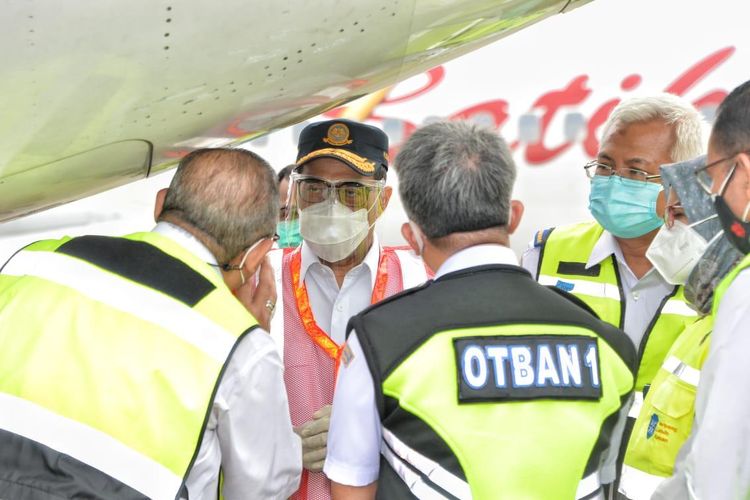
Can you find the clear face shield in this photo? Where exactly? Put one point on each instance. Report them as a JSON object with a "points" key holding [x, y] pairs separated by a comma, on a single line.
{"points": [[335, 216]]}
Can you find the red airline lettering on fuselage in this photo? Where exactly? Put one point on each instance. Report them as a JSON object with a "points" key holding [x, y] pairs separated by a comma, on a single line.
{"points": [[548, 104]]}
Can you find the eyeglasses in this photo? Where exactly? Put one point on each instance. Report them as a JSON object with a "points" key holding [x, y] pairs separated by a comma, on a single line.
{"points": [[594, 168], [352, 193], [704, 178]]}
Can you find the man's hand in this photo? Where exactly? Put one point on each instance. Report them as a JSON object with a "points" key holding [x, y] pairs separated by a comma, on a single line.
{"points": [[260, 298], [314, 434]]}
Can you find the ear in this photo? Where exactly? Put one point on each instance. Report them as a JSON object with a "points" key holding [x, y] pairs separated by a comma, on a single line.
{"points": [[159, 203], [408, 233], [743, 164], [385, 197], [516, 214]]}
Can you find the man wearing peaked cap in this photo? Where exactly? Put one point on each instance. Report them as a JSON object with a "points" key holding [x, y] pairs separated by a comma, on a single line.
{"points": [[363, 148], [338, 192]]}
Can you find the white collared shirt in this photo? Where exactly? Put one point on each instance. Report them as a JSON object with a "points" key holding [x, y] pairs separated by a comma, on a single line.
{"points": [[355, 433], [715, 461], [333, 306], [249, 431], [642, 296]]}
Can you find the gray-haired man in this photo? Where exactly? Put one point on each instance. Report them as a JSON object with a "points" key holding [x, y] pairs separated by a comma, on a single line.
{"points": [[475, 383]]}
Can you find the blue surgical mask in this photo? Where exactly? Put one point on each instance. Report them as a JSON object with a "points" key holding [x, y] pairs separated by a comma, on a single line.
{"points": [[624, 207], [288, 231]]}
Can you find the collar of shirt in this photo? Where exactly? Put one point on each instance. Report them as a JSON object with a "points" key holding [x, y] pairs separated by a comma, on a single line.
{"points": [[370, 262], [187, 241], [478, 255], [607, 245]]}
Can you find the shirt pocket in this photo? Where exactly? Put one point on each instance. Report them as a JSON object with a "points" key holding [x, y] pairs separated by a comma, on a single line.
{"points": [[668, 425]]}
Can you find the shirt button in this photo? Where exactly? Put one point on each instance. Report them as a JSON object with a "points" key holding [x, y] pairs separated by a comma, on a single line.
{"points": [[636, 295], [339, 307]]}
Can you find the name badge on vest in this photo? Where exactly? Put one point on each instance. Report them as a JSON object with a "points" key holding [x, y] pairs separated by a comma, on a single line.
{"points": [[496, 368]]}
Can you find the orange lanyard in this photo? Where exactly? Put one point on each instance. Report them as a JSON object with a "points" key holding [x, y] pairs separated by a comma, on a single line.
{"points": [[316, 333]]}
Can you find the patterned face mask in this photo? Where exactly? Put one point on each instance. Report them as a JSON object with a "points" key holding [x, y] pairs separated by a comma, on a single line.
{"points": [[719, 256]]}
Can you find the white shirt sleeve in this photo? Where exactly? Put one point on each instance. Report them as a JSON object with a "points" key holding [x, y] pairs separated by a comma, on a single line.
{"points": [[261, 456], [530, 259], [354, 434], [717, 466]]}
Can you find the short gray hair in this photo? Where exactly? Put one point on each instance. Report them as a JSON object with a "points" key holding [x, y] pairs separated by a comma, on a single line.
{"points": [[688, 122], [455, 177], [231, 195], [731, 132]]}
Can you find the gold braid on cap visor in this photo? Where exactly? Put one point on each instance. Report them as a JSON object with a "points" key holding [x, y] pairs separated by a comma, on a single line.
{"points": [[354, 159]]}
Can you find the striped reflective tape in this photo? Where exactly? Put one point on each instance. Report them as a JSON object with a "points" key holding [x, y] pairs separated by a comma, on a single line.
{"points": [[132, 298], [413, 481], [637, 484], [434, 471], [679, 307], [588, 486], [88, 445], [635, 408], [583, 287], [684, 372]]}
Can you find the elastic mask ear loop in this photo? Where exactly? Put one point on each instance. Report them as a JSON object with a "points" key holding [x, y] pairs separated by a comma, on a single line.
{"points": [[744, 214], [714, 238], [374, 206], [241, 266], [726, 181], [714, 216], [417, 236]]}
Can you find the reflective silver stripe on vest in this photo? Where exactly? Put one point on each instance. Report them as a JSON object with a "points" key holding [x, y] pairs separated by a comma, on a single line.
{"points": [[436, 473], [588, 485], [132, 298], [591, 288], [88, 445], [635, 409], [637, 484], [412, 480], [444, 479], [684, 372], [680, 307]]}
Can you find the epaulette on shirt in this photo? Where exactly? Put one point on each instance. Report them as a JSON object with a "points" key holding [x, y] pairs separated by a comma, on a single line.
{"points": [[540, 238]]}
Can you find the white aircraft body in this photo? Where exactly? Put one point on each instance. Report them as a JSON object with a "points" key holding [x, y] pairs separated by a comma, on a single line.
{"points": [[547, 89]]}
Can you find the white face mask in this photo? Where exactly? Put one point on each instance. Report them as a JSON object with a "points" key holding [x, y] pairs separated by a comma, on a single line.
{"points": [[332, 230], [675, 251]]}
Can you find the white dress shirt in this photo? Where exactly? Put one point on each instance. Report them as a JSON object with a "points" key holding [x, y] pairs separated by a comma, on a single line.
{"points": [[333, 306], [642, 296], [249, 432], [354, 434], [715, 462]]}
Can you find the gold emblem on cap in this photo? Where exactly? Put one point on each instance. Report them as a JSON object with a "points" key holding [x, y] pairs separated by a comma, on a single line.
{"points": [[338, 135]]}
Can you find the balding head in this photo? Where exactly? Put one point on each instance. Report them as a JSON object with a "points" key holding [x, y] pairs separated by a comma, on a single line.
{"points": [[228, 195]]}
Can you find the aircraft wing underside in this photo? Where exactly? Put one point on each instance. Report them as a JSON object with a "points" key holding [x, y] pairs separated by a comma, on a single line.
{"points": [[96, 94]]}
